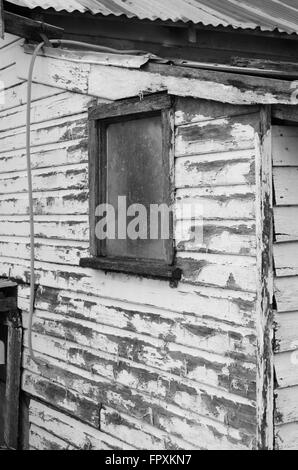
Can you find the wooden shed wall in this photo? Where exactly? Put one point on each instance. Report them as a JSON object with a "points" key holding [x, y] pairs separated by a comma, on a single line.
{"points": [[131, 362], [285, 171]]}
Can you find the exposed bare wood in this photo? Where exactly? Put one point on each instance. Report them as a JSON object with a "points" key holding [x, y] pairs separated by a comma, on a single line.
{"points": [[191, 350], [285, 113], [285, 160], [145, 268], [286, 223], [286, 185], [28, 28], [11, 423], [264, 312], [287, 436], [117, 83], [286, 337], [285, 259]]}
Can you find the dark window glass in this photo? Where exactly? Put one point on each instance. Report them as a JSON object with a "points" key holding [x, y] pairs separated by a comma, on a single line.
{"points": [[135, 170]]}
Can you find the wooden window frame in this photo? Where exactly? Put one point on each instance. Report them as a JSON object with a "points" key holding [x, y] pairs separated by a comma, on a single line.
{"points": [[100, 116], [10, 317]]}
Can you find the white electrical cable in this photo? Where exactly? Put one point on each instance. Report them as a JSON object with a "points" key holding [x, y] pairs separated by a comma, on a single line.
{"points": [[31, 202], [56, 42]]}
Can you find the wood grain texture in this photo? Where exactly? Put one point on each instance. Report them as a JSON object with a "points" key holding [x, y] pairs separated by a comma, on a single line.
{"points": [[286, 223], [285, 185], [286, 336], [70, 430], [28, 28], [285, 259], [13, 381], [264, 309], [116, 83], [285, 161], [173, 368], [287, 436], [284, 147]]}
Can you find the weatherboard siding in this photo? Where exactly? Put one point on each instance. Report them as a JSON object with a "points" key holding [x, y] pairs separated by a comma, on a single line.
{"points": [[129, 362], [285, 170]]}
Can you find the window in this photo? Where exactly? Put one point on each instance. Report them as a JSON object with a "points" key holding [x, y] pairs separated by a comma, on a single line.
{"points": [[131, 187]]}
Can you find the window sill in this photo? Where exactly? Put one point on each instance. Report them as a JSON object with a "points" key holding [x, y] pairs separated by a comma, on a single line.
{"points": [[145, 268]]}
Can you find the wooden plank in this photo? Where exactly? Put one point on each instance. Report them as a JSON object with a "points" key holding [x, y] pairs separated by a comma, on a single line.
{"points": [[28, 28], [168, 181], [8, 39], [286, 293], [286, 405], [11, 54], [218, 237], [286, 335], [11, 418], [48, 179], [286, 224], [116, 83], [97, 173], [264, 90], [24, 421], [130, 61], [237, 272], [129, 376], [191, 111], [187, 394], [9, 79], [264, 280], [286, 369], [161, 425], [284, 146], [190, 172], [156, 102], [208, 370], [218, 135], [50, 227], [175, 389], [47, 109], [211, 369], [213, 303], [72, 202], [287, 437], [286, 185], [190, 330], [58, 130], [7, 304], [103, 343], [135, 432], [145, 402], [71, 430], [41, 439], [56, 251], [151, 269], [223, 202], [17, 95], [56, 73], [285, 259], [285, 113], [46, 156]]}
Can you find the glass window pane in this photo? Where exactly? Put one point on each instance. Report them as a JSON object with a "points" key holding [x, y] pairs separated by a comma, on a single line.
{"points": [[135, 170]]}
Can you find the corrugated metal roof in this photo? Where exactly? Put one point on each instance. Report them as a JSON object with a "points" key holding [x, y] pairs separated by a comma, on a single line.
{"points": [[267, 15]]}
